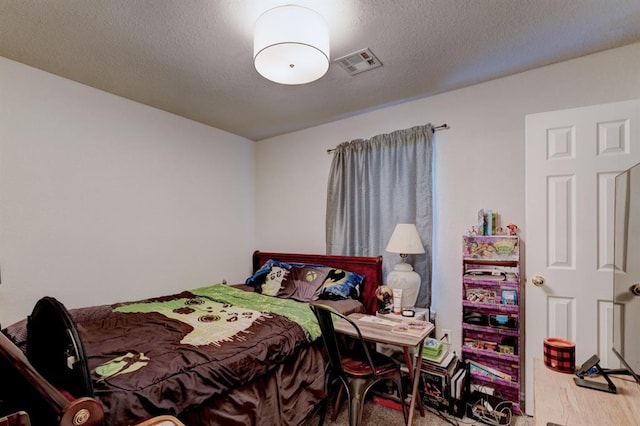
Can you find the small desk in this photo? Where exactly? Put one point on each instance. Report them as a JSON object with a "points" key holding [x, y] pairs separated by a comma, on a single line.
{"points": [[381, 333], [557, 399]]}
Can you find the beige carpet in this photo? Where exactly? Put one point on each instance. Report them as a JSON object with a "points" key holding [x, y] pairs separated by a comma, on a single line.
{"points": [[376, 414]]}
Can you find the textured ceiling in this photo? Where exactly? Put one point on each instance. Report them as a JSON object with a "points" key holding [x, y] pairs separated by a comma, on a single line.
{"points": [[194, 57]]}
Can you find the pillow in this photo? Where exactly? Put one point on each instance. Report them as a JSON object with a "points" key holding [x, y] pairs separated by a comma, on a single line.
{"points": [[258, 278], [304, 282], [289, 280], [307, 282], [341, 284], [277, 283]]}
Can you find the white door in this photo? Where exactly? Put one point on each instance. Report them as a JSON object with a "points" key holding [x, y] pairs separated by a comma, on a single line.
{"points": [[572, 158], [627, 268]]}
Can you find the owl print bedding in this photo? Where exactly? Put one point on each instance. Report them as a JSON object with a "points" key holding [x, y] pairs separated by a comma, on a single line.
{"points": [[209, 336], [217, 355], [169, 354]]}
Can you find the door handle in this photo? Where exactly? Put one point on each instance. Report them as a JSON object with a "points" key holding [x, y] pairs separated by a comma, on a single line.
{"points": [[538, 281]]}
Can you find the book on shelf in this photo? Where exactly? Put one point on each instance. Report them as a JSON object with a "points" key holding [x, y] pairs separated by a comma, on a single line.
{"points": [[457, 383], [435, 359], [485, 370], [411, 327], [437, 387], [447, 366], [443, 360], [488, 222], [434, 389]]}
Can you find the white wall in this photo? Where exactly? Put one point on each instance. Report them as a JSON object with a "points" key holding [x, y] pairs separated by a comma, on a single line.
{"points": [[479, 162], [104, 200]]}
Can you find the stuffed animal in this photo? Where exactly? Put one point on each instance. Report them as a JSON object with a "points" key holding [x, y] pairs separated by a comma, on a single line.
{"points": [[513, 229]]}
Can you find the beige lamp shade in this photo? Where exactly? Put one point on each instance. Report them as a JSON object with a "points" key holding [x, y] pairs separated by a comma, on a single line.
{"points": [[291, 45], [405, 240]]}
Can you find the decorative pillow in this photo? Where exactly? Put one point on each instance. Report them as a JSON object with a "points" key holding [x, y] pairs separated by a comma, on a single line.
{"points": [[341, 284], [258, 278], [289, 280], [307, 282], [277, 283]]}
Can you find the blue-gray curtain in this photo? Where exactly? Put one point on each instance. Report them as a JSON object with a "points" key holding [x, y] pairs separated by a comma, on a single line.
{"points": [[375, 184]]}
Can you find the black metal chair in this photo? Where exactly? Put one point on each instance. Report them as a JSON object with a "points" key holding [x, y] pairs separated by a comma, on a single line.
{"points": [[356, 370]]}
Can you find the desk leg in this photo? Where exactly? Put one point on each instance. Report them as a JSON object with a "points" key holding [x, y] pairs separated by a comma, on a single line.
{"points": [[413, 374], [416, 375]]}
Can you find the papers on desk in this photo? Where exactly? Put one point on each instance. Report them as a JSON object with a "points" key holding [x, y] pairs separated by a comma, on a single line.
{"points": [[411, 327], [378, 320]]}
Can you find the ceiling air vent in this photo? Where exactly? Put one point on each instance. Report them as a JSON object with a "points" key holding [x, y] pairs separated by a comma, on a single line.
{"points": [[360, 61]]}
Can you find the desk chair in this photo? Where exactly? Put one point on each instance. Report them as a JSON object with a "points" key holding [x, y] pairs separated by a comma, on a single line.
{"points": [[16, 419], [356, 370]]}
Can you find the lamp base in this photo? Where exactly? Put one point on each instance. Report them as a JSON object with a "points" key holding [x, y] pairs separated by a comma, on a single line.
{"points": [[404, 277]]}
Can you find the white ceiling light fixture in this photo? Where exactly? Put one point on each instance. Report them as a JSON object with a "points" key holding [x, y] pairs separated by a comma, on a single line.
{"points": [[291, 45]]}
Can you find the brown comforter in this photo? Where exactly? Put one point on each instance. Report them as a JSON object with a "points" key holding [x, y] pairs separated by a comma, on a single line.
{"points": [[169, 355]]}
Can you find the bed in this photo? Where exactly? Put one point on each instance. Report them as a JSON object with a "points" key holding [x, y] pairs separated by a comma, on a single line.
{"points": [[233, 355]]}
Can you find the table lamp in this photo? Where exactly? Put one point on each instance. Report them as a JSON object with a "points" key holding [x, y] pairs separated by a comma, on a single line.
{"points": [[405, 240]]}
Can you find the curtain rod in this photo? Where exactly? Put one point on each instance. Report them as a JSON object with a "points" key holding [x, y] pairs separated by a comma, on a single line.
{"points": [[434, 129], [443, 126]]}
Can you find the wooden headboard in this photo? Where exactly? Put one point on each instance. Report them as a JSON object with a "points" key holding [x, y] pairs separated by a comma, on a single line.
{"points": [[370, 267]]}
